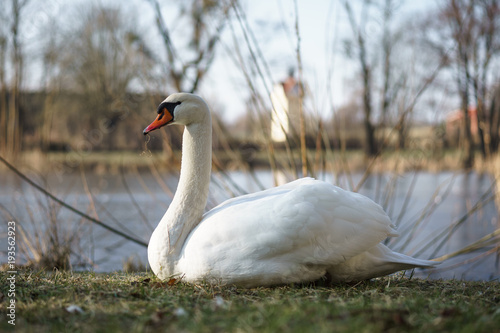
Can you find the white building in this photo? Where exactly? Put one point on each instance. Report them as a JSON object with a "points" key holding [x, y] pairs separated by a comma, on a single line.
{"points": [[285, 113]]}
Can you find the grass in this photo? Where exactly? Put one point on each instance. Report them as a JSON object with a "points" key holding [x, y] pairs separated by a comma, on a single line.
{"points": [[139, 303]]}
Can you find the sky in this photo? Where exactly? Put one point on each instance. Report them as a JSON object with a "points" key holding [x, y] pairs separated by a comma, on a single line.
{"points": [[273, 23], [323, 25]]}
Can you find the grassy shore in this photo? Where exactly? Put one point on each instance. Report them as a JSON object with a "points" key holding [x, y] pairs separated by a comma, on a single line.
{"points": [[137, 302]]}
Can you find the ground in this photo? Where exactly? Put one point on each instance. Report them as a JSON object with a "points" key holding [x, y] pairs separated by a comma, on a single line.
{"points": [[133, 302]]}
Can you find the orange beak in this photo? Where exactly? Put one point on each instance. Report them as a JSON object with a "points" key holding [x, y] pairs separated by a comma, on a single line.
{"points": [[164, 118]]}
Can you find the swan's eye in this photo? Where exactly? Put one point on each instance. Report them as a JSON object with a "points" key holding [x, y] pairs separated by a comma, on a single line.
{"points": [[162, 113]]}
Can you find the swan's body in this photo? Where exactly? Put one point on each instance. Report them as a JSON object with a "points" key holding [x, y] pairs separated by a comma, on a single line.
{"points": [[296, 232]]}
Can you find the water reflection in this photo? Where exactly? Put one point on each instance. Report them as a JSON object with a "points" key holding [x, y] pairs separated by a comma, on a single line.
{"points": [[422, 205]]}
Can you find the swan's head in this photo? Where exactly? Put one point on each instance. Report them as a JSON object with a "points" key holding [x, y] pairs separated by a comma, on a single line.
{"points": [[180, 108]]}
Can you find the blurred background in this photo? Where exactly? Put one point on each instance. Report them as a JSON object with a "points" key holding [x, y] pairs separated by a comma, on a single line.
{"points": [[399, 100]]}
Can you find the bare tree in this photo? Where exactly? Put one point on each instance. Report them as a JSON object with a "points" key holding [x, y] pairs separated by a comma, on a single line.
{"points": [[469, 29], [366, 74], [50, 83], [3, 83], [186, 70], [103, 55], [486, 46], [460, 20], [395, 86], [494, 120], [10, 93], [387, 48]]}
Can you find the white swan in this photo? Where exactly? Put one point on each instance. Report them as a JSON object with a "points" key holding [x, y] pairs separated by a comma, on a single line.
{"points": [[296, 232]]}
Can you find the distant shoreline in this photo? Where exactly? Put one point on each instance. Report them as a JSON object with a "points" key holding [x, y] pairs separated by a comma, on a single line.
{"points": [[351, 161]]}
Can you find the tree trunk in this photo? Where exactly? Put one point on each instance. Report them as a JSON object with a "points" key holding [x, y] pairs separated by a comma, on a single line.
{"points": [[402, 129], [481, 125], [370, 143], [495, 122], [3, 95], [468, 148], [14, 135], [386, 55]]}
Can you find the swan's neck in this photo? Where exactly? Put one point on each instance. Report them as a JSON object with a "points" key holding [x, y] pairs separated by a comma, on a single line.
{"points": [[187, 207]]}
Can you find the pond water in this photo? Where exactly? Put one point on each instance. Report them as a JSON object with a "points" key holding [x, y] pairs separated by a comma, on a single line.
{"points": [[425, 207]]}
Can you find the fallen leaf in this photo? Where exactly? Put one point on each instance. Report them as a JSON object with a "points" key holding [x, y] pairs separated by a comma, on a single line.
{"points": [[449, 312], [219, 301], [399, 318], [180, 312], [157, 317], [158, 284], [172, 281], [143, 282], [74, 309]]}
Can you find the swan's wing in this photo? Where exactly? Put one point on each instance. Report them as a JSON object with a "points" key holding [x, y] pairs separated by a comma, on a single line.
{"points": [[265, 194], [306, 222]]}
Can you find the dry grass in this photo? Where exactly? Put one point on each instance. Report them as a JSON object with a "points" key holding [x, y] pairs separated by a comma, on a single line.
{"points": [[47, 239]]}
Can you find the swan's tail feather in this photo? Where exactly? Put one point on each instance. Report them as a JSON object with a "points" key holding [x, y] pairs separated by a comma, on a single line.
{"points": [[378, 261], [391, 257]]}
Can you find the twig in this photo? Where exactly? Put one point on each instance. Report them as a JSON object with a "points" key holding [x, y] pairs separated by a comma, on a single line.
{"points": [[465, 262], [407, 200], [481, 243], [426, 212], [303, 148], [134, 202], [457, 224], [448, 232], [67, 206]]}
